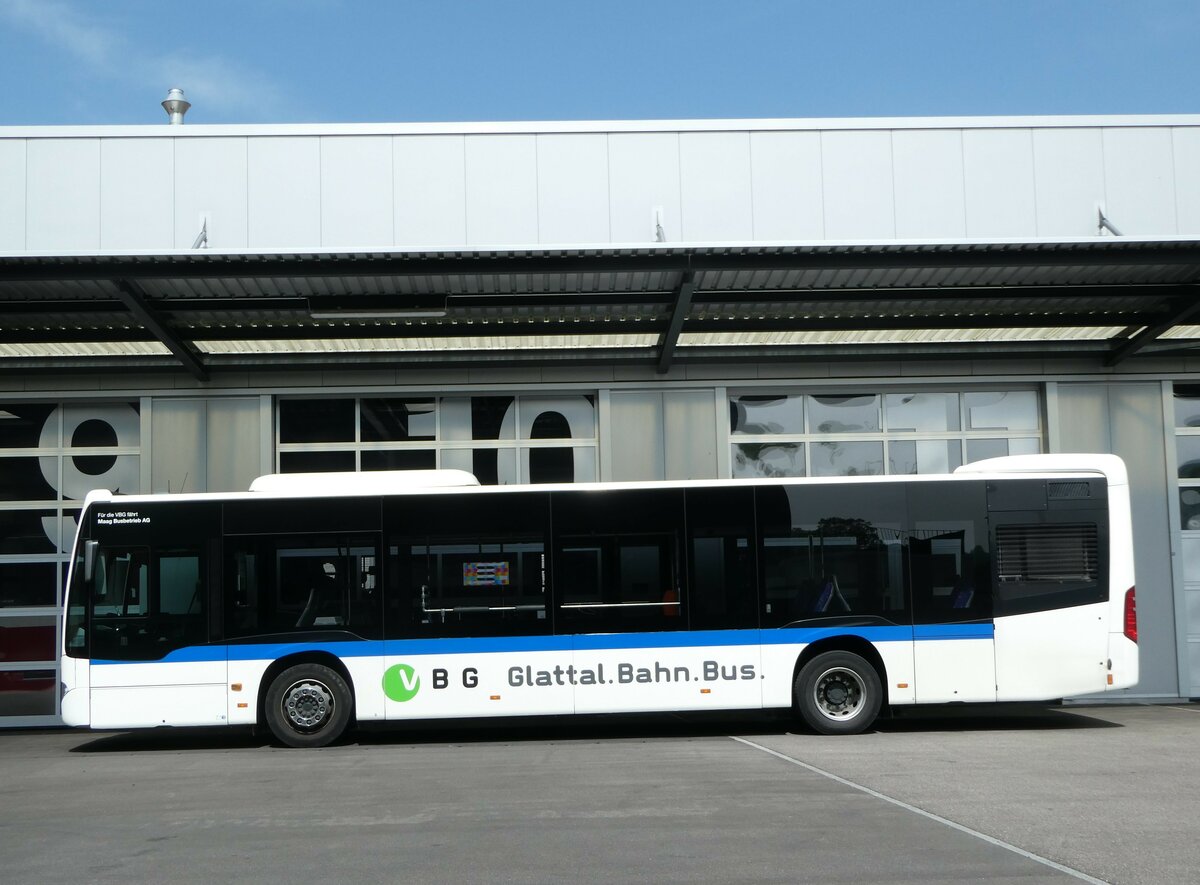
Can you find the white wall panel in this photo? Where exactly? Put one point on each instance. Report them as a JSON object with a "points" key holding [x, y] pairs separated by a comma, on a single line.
{"points": [[12, 194], [786, 170], [928, 169], [1069, 174], [999, 189], [857, 168], [643, 171], [284, 185], [572, 183], [210, 182], [430, 190], [63, 194], [1186, 156], [501, 189], [714, 190], [356, 191], [137, 193], [1139, 181]]}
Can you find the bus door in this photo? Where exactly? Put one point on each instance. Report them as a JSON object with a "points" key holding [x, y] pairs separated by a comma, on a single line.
{"points": [[953, 645], [151, 663]]}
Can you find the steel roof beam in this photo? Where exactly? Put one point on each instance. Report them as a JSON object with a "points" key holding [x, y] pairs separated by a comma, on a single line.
{"points": [[135, 300], [1184, 309], [1108, 253], [679, 313]]}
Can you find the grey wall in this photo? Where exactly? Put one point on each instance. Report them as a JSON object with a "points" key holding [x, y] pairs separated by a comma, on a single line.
{"points": [[207, 445], [1127, 419], [667, 435]]}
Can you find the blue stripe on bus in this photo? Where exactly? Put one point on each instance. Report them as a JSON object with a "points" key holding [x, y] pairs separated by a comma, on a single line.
{"points": [[589, 642]]}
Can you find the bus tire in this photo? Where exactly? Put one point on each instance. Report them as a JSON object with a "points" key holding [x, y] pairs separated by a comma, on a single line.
{"points": [[308, 705], [838, 692]]}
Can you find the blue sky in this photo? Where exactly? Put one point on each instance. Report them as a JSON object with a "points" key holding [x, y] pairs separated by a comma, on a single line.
{"points": [[111, 61]]}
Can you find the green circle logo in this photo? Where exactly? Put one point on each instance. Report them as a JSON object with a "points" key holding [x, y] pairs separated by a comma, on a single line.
{"points": [[401, 683]]}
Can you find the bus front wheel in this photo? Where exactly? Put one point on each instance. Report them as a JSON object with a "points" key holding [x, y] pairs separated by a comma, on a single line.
{"points": [[838, 692], [308, 705]]}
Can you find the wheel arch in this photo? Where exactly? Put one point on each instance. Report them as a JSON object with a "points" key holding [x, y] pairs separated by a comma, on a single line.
{"points": [[324, 658], [854, 644]]}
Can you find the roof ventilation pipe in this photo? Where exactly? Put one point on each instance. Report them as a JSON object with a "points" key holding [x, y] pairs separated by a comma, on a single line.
{"points": [[1103, 224], [176, 105]]}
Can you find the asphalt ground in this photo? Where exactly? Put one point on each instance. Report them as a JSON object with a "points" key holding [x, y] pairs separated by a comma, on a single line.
{"points": [[944, 795]]}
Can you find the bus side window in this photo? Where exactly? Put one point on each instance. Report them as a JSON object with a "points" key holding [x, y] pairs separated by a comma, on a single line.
{"points": [[617, 562]]}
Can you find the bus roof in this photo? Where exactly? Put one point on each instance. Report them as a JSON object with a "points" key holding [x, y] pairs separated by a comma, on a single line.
{"points": [[411, 482]]}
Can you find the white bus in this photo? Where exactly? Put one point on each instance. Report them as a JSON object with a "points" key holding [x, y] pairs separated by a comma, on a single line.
{"points": [[315, 601]]}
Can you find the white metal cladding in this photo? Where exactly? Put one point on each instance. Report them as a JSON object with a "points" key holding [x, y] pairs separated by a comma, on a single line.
{"points": [[381, 187]]}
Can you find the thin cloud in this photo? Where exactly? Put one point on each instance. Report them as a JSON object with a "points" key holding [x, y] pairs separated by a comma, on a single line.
{"points": [[223, 86]]}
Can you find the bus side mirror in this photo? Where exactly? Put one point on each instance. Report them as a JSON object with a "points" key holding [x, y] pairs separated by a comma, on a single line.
{"points": [[89, 559]]}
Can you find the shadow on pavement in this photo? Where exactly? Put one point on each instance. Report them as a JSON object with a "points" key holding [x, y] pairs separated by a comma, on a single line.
{"points": [[629, 727]]}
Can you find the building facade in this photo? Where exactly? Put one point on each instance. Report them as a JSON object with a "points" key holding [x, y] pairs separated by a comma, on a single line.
{"points": [[184, 308]]}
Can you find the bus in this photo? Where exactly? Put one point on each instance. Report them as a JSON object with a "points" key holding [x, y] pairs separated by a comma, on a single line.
{"points": [[316, 601]]}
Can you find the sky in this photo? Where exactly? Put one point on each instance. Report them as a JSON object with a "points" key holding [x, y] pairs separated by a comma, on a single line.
{"points": [[72, 62]]}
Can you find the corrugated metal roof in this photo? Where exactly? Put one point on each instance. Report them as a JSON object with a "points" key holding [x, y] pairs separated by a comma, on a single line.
{"points": [[1117, 296]]}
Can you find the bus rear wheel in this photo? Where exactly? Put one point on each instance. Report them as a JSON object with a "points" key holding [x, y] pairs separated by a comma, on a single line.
{"points": [[838, 692], [308, 705]]}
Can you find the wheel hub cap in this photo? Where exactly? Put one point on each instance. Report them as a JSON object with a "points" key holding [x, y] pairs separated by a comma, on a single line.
{"points": [[308, 704]]}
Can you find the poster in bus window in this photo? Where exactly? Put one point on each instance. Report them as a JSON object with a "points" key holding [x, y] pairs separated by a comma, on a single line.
{"points": [[485, 574]]}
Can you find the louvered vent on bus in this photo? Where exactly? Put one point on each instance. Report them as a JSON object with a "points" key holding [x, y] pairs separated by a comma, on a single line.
{"points": [[1069, 489], [1035, 553]]}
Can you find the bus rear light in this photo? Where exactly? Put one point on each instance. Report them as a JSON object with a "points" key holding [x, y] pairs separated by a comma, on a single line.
{"points": [[1131, 614]]}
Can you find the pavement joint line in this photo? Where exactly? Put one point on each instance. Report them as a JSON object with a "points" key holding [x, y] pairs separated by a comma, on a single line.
{"points": [[1007, 846], [1182, 709]]}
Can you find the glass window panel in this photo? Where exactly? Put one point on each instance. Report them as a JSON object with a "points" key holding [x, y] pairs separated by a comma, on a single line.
{"points": [[752, 460], [490, 466], [389, 420], [316, 420], [924, 456], [462, 566], [542, 464], [921, 412], [27, 638], [28, 583], [847, 459], [1002, 410], [22, 425], [1187, 405], [28, 531], [766, 414], [70, 525], [399, 459], [830, 551], [28, 692], [843, 414], [25, 479], [558, 417], [1187, 450], [1031, 446], [979, 449], [722, 592], [117, 473], [616, 561], [315, 462], [1189, 517], [101, 425]]}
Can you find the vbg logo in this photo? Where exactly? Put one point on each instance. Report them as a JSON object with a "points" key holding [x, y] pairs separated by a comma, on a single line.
{"points": [[401, 683]]}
